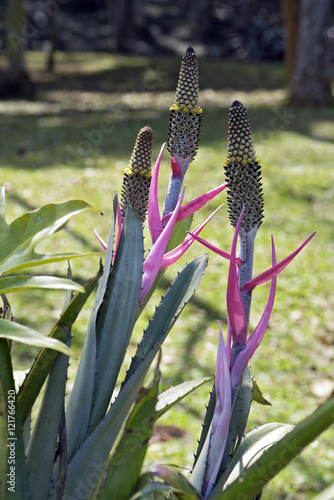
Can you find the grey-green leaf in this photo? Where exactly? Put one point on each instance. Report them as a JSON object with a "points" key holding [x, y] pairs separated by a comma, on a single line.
{"points": [[170, 307], [117, 314], [80, 401], [42, 445], [98, 444], [126, 463], [238, 419]]}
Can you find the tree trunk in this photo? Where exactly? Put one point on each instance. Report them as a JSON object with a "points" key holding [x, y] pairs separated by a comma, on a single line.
{"points": [[15, 81], [53, 25], [14, 37], [203, 13], [290, 13], [311, 81], [120, 18]]}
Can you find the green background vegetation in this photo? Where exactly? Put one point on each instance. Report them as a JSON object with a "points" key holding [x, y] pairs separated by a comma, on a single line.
{"points": [[73, 142]]}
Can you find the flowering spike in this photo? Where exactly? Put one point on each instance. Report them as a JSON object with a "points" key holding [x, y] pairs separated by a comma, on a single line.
{"points": [[185, 113], [243, 172], [137, 176]]}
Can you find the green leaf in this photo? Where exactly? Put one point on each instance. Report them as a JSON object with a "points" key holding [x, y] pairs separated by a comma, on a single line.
{"points": [[96, 448], [18, 239], [280, 454], [125, 465], [15, 283], [258, 396], [41, 367], [12, 434], [176, 482], [19, 333], [174, 395], [41, 450], [117, 314], [205, 429]]}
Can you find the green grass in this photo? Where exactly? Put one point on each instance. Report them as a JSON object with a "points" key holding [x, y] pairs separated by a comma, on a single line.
{"points": [[74, 140]]}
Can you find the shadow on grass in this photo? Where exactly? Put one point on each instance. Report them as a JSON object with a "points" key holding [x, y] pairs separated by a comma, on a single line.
{"points": [[80, 111], [93, 72], [68, 138]]}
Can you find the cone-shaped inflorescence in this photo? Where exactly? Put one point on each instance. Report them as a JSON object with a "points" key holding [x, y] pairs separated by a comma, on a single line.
{"points": [[137, 176], [243, 172], [185, 113]]}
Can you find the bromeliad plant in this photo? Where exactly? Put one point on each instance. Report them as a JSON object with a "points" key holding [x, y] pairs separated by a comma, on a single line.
{"points": [[65, 453], [95, 445]]}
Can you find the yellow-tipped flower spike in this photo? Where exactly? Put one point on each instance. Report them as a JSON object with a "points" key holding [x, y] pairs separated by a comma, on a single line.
{"points": [[243, 172], [185, 113], [137, 176]]}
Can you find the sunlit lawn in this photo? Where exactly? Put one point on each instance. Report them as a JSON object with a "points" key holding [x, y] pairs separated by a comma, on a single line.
{"points": [[74, 140]]}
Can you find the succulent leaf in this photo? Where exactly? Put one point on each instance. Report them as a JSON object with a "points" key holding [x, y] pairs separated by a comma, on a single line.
{"points": [[117, 313], [98, 444], [124, 468], [41, 450], [80, 401]]}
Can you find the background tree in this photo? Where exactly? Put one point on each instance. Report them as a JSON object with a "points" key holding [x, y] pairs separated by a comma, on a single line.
{"points": [[15, 81], [125, 16], [290, 13], [308, 51]]}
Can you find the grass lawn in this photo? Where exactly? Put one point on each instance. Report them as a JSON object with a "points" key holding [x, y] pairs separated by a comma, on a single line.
{"points": [[74, 140]]}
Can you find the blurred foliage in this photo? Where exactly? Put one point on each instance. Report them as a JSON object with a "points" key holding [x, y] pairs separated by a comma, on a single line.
{"points": [[74, 140]]}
